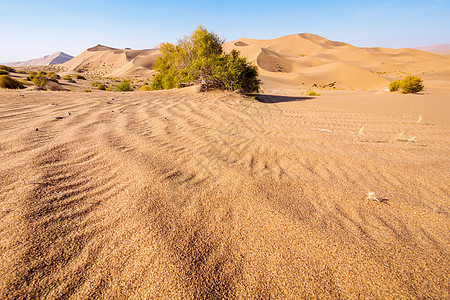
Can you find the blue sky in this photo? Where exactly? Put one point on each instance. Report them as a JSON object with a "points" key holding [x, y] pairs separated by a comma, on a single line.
{"points": [[36, 28]]}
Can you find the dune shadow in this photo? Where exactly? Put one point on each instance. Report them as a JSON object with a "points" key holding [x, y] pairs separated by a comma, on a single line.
{"points": [[278, 98]]}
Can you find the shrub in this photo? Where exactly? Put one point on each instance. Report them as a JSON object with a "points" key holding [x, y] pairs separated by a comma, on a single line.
{"points": [[412, 84], [7, 82], [87, 91], [53, 76], [3, 72], [67, 77], [312, 93], [39, 79], [394, 85], [79, 77], [199, 58], [6, 68], [124, 86], [146, 87], [32, 74], [102, 87]]}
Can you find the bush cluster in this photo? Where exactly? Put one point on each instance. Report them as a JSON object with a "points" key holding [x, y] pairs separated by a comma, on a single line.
{"points": [[200, 58], [99, 86], [67, 77], [53, 76], [8, 69], [146, 88], [409, 85], [6, 82], [79, 77], [124, 86]]}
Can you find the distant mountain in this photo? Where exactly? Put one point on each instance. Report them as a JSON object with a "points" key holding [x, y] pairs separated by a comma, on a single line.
{"points": [[55, 58], [441, 49]]}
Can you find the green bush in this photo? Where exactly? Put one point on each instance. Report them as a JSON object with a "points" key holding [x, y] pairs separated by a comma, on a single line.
{"points": [[6, 68], [411, 84], [394, 85], [146, 87], [31, 75], [39, 79], [53, 76], [79, 77], [7, 82], [87, 91], [102, 87], [199, 58], [67, 77], [312, 93], [124, 86], [3, 72]]}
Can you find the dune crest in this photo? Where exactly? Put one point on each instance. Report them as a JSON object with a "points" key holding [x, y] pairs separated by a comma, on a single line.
{"points": [[306, 59], [107, 61]]}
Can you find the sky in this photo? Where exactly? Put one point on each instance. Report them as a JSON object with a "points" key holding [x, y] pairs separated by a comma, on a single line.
{"points": [[32, 29]]}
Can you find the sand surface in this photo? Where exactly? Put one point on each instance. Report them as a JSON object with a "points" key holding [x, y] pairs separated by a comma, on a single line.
{"points": [[185, 195]]}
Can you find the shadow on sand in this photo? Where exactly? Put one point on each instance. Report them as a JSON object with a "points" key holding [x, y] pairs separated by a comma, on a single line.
{"points": [[278, 98]]}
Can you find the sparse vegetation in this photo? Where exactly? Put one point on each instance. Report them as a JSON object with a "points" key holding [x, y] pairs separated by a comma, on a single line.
{"points": [[6, 82], [79, 77], [67, 77], [8, 69], [409, 85], [124, 86], [312, 93], [146, 87], [87, 91], [199, 58], [99, 86], [394, 85], [330, 85], [3, 72]]}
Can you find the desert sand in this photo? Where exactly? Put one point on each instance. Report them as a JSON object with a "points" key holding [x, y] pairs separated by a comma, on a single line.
{"points": [[184, 195], [178, 194]]}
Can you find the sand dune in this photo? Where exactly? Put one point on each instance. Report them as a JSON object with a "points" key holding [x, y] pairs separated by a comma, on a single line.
{"points": [[291, 62], [106, 61], [316, 60], [184, 195]]}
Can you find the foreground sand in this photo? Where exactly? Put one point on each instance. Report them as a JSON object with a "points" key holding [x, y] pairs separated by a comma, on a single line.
{"points": [[176, 194]]}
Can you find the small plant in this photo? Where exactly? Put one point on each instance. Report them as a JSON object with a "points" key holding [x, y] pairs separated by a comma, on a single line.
{"points": [[411, 140], [419, 119], [79, 77], [312, 93], [146, 88], [394, 85], [67, 77], [371, 196], [7, 82], [412, 84], [124, 86], [87, 91], [357, 136], [3, 72]]}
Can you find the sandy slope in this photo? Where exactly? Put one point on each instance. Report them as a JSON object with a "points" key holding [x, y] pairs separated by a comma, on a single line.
{"points": [[289, 62], [305, 59], [106, 61], [175, 194]]}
